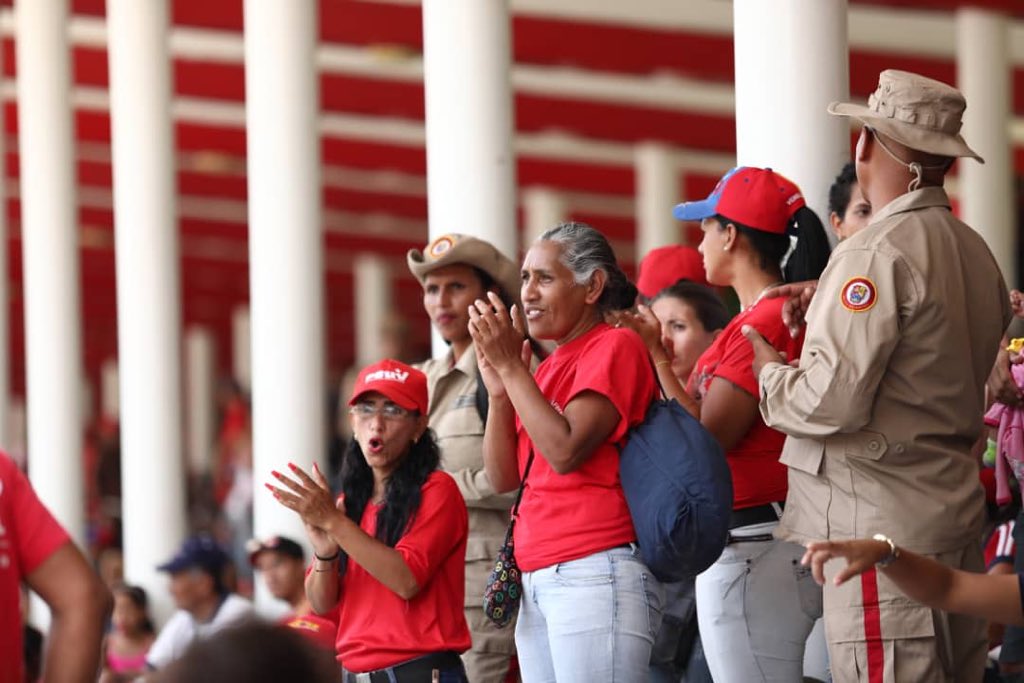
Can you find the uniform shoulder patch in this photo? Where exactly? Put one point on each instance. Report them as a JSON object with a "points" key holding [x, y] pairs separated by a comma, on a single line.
{"points": [[858, 294]]}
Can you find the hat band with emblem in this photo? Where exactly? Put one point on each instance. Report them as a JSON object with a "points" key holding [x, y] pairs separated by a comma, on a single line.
{"points": [[456, 249]]}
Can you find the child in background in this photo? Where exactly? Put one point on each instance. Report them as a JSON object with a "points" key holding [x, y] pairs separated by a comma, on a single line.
{"points": [[130, 638]]}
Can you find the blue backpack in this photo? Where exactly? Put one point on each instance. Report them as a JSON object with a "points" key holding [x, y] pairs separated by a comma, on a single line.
{"points": [[679, 491]]}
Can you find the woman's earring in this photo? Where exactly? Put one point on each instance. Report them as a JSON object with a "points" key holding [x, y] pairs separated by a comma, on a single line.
{"points": [[725, 248]]}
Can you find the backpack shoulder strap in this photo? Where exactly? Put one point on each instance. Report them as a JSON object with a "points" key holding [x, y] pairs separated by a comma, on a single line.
{"points": [[483, 402]]}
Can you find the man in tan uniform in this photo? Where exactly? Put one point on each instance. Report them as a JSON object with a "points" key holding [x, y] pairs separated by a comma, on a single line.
{"points": [[887, 399], [455, 270]]}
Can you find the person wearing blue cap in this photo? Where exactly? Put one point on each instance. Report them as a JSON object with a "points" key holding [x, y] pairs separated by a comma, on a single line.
{"points": [[755, 605], [205, 605]]}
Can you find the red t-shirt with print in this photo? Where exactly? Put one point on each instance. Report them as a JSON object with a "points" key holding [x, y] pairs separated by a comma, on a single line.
{"points": [[28, 536], [564, 517], [378, 629], [321, 630], [758, 478]]}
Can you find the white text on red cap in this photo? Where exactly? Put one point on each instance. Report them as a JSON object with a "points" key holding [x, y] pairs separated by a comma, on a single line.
{"points": [[393, 375]]}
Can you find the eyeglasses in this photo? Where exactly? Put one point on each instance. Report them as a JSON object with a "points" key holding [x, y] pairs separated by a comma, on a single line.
{"points": [[389, 411]]}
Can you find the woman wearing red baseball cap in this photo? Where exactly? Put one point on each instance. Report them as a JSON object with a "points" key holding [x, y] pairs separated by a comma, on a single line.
{"points": [[390, 554], [756, 605]]}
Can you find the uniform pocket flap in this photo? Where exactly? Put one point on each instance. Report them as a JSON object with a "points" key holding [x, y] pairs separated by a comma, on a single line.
{"points": [[863, 444], [898, 621], [803, 454]]}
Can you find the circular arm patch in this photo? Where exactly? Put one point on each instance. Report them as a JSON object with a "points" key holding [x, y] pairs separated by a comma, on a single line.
{"points": [[858, 294]]}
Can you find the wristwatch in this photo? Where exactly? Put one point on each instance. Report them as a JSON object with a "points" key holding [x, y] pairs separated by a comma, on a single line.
{"points": [[894, 552]]}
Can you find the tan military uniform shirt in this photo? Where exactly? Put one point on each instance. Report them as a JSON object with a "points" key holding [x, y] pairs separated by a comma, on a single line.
{"points": [[888, 397], [456, 423]]}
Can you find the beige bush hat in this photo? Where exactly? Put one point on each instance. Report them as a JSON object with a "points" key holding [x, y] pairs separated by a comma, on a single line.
{"points": [[453, 248], [919, 112]]}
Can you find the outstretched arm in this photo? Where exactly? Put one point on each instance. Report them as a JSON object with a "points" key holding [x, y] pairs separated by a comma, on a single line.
{"points": [[935, 585]]}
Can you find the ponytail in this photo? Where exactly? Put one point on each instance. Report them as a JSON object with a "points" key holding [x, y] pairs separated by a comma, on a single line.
{"points": [[809, 256], [803, 261]]}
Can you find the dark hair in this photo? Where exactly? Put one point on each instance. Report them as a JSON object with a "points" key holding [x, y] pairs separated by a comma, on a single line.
{"points": [[137, 596], [709, 308], [401, 492], [489, 283], [842, 188], [586, 251], [806, 260], [253, 652]]}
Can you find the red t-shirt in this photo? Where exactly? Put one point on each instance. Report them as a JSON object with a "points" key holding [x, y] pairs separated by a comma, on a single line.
{"points": [[758, 478], [28, 535], [564, 517], [378, 629], [319, 629]]}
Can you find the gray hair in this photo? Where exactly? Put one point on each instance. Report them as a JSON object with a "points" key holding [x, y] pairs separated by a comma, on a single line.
{"points": [[586, 251]]}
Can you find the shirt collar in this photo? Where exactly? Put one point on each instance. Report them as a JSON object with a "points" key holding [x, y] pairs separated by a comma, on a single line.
{"points": [[466, 364], [924, 198]]}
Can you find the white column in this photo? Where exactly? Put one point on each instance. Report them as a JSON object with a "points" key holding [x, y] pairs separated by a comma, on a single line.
{"points": [[285, 250], [200, 408], [148, 292], [470, 158], [53, 339], [657, 191], [543, 209], [986, 190], [110, 390], [241, 347], [374, 300], [791, 61]]}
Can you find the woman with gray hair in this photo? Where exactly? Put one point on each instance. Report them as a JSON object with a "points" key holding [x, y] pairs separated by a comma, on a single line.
{"points": [[590, 607]]}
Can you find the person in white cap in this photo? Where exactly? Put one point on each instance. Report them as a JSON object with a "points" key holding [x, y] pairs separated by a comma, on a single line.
{"points": [[888, 397]]}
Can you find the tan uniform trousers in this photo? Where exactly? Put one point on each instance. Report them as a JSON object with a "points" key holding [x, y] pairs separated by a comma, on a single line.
{"points": [[490, 658], [878, 635]]}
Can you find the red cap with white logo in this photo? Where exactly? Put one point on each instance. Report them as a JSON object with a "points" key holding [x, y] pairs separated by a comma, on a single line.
{"points": [[759, 198], [401, 384]]}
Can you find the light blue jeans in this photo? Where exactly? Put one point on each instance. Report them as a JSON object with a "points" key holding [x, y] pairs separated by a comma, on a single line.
{"points": [[591, 619]]}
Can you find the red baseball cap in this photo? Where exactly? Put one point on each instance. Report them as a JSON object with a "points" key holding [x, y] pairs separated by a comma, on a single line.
{"points": [[402, 384], [665, 266], [758, 198]]}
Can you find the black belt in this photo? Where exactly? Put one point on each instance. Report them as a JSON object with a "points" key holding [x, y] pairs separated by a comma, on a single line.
{"points": [[417, 670], [759, 514]]}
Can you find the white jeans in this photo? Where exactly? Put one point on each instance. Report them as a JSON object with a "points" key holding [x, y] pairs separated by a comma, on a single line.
{"points": [[756, 606], [591, 620]]}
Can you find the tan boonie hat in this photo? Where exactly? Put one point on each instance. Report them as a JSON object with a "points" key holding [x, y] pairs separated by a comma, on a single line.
{"points": [[453, 249], [919, 112]]}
